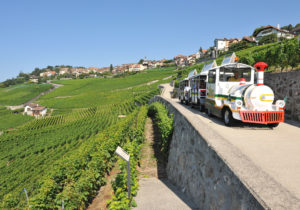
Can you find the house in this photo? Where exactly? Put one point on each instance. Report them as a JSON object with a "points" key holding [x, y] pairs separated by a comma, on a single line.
{"points": [[35, 110], [93, 69], [63, 71], [47, 74], [233, 41], [191, 59], [34, 79], [200, 54], [136, 67], [180, 60], [249, 39], [268, 30], [221, 44]]}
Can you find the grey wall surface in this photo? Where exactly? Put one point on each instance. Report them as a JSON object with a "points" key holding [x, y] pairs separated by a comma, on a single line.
{"points": [[197, 169], [286, 84]]}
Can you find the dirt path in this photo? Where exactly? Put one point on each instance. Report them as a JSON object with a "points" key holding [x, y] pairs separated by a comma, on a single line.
{"points": [[105, 192], [55, 86]]}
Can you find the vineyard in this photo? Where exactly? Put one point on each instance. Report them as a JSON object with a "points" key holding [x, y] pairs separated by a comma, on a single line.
{"points": [[65, 157], [99, 91], [12, 119], [19, 94]]}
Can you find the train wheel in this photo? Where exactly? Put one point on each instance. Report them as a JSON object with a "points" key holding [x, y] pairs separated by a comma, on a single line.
{"points": [[208, 112], [227, 117], [202, 109], [273, 125]]}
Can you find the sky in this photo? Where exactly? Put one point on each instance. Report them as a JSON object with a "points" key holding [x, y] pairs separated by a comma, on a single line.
{"points": [[38, 33]]}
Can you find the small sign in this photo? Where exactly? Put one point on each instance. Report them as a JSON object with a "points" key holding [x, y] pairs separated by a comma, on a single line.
{"points": [[124, 155]]}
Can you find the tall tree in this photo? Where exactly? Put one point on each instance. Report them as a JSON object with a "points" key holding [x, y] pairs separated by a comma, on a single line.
{"points": [[111, 67], [141, 61]]}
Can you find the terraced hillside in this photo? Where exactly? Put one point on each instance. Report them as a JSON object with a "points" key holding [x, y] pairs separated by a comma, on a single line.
{"points": [[65, 156]]}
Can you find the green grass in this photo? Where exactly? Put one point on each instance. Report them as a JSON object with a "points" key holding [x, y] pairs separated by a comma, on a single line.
{"points": [[9, 119], [19, 94]]}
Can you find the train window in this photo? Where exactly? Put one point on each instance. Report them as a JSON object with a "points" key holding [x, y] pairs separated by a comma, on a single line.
{"points": [[212, 76], [234, 74]]}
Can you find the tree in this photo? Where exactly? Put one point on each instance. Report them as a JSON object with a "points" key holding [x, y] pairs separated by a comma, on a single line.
{"points": [[288, 27], [141, 61], [200, 50], [111, 68], [36, 72], [257, 30]]}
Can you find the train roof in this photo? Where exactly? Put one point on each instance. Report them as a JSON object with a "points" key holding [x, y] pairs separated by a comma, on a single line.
{"points": [[184, 79], [236, 65], [192, 73], [208, 66]]}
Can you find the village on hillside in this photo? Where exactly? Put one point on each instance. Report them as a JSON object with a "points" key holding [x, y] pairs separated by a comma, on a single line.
{"points": [[221, 46]]}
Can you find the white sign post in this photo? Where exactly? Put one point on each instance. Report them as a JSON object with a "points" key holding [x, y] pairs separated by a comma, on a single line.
{"points": [[125, 156], [25, 191]]}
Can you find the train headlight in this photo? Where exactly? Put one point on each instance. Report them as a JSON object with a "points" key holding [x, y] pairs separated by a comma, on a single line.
{"points": [[280, 104], [238, 104]]}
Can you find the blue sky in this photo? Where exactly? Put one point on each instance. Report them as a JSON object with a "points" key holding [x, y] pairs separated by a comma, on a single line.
{"points": [[37, 33]]}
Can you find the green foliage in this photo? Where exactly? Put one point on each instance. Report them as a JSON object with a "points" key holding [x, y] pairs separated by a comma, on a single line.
{"points": [[268, 39], [164, 123], [100, 91], [12, 119], [66, 156], [257, 30], [19, 94], [288, 27], [241, 45], [133, 147]]}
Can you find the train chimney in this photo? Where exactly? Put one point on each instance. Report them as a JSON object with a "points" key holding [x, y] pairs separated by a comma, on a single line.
{"points": [[260, 68]]}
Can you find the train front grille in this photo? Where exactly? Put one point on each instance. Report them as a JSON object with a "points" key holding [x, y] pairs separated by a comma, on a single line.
{"points": [[262, 117]]}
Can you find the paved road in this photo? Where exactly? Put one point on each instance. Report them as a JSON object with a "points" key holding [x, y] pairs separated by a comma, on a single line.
{"points": [[155, 194], [275, 151]]}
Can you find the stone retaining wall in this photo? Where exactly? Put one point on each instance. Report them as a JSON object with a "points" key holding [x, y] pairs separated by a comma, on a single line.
{"points": [[286, 84], [213, 173]]}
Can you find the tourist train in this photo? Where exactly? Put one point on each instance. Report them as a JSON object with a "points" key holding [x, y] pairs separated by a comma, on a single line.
{"points": [[229, 91]]}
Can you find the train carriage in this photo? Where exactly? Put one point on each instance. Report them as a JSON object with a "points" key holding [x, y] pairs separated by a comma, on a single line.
{"points": [[232, 95], [198, 86], [184, 88]]}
